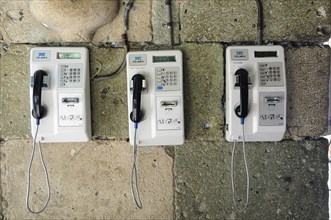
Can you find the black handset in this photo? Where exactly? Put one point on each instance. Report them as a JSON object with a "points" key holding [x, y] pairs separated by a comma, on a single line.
{"points": [[136, 115], [242, 110], [38, 110]]}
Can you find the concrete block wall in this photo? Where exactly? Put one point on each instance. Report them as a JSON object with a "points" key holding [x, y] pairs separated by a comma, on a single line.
{"points": [[91, 180]]}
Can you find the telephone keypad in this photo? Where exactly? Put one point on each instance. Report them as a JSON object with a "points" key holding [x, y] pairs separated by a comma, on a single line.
{"points": [[70, 75], [271, 74], [167, 79]]}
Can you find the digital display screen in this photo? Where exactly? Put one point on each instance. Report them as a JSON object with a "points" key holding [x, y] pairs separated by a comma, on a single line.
{"points": [[163, 59], [68, 55], [265, 53]]}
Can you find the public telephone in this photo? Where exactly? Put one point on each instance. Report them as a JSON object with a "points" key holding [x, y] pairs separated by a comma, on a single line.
{"points": [[155, 103], [155, 97], [60, 94], [255, 100], [255, 93], [59, 100]]}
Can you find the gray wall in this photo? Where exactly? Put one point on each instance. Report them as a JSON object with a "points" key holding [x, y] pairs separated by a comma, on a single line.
{"points": [[91, 180]]}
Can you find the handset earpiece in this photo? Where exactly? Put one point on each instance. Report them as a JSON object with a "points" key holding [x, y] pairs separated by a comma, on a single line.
{"points": [[242, 110], [137, 86], [38, 110]]}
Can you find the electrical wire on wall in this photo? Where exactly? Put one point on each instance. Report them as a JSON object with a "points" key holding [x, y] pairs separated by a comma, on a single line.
{"points": [[329, 112], [169, 22], [124, 36], [260, 24]]}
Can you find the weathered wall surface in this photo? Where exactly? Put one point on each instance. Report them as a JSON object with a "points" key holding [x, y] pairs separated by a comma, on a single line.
{"points": [[88, 181], [279, 173], [91, 180]]}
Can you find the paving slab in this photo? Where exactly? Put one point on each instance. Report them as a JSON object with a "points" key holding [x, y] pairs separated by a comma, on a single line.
{"points": [[288, 179], [87, 180]]}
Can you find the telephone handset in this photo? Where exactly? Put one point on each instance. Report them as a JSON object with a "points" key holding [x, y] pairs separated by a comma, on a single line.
{"points": [[38, 110], [243, 79], [137, 86]]}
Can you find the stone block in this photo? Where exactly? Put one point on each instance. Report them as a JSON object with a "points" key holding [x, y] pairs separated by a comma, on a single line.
{"points": [[307, 73], [74, 20], [216, 21], [87, 181], [203, 91], [140, 28], [287, 180], [293, 20], [14, 91], [108, 97], [231, 21], [19, 24], [159, 20]]}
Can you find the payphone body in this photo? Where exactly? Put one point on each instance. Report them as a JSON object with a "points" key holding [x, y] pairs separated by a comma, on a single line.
{"points": [[65, 94], [266, 119], [162, 102]]}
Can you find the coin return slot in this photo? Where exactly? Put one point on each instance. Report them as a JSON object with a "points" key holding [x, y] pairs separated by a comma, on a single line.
{"points": [[272, 99], [168, 103], [70, 100]]}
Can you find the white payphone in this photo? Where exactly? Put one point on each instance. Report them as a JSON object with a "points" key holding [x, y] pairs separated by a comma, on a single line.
{"points": [[255, 99], [155, 97], [59, 100], [155, 103], [60, 94], [255, 93]]}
